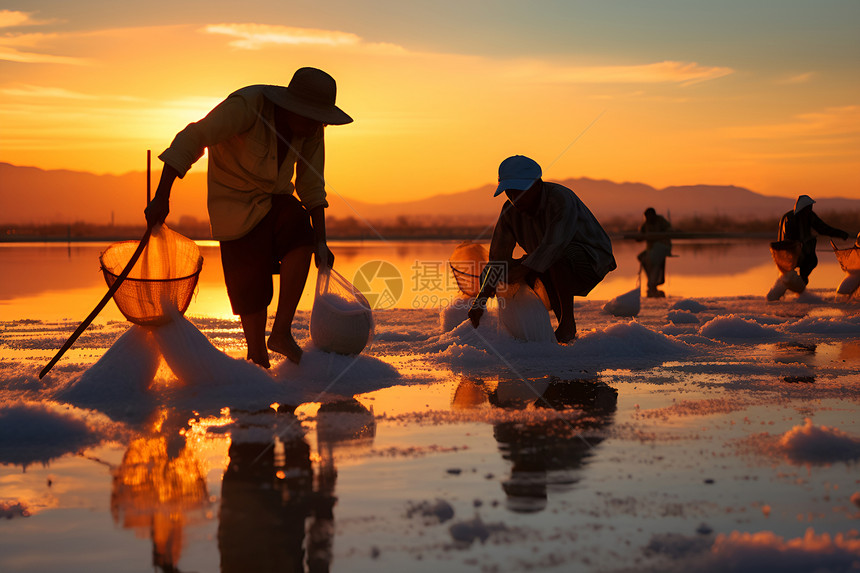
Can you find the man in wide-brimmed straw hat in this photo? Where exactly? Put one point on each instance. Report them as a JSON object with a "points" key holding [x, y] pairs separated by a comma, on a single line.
{"points": [[265, 142], [797, 225]]}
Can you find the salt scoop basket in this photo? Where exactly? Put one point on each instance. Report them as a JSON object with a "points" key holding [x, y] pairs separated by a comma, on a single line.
{"points": [[849, 259], [467, 262], [151, 293], [161, 283]]}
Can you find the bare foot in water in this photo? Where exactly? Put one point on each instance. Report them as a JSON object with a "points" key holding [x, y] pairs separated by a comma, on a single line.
{"points": [[285, 345]]}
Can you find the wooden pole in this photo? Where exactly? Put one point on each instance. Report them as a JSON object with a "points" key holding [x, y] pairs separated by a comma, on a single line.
{"points": [[113, 288], [148, 176]]}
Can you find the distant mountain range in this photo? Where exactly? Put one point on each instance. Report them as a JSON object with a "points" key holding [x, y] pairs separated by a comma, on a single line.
{"points": [[32, 195]]}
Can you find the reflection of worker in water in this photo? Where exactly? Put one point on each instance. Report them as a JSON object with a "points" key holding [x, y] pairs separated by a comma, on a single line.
{"points": [[543, 453], [265, 497], [157, 489], [343, 424], [270, 491], [658, 246], [797, 225]]}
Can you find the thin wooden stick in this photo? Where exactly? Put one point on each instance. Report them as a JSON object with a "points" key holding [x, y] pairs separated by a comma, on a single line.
{"points": [[148, 176], [113, 288]]}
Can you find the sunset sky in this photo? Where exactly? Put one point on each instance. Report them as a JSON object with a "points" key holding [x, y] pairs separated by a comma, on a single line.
{"points": [[761, 94]]}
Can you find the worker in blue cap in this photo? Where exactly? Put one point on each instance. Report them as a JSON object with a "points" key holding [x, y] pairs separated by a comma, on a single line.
{"points": [[566, 248]]}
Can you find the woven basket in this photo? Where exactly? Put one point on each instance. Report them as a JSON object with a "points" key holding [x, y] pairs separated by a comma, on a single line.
{"points": [[162, 281], [849, 259], [785, 254], [467, 262]]}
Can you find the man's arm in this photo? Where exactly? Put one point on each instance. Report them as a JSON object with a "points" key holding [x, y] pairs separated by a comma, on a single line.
{"points": [[157, 210], [823, 228], [322, 254], [230, 117], [501, 248]]}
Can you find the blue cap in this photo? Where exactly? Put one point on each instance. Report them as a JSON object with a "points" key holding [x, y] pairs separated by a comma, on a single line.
{"points": [[517, 172]]}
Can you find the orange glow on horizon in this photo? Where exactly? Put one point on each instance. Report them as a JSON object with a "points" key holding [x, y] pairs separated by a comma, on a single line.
{"points": [[442, 126]]}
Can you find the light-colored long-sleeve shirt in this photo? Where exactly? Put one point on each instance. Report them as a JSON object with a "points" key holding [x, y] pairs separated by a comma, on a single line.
{"points": [[561, 218], [243, 161]]}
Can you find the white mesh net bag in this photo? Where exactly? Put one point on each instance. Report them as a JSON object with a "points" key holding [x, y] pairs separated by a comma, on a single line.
{"points": [[341, 318]]}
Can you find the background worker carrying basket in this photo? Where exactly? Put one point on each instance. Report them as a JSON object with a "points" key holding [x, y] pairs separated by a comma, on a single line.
{"points": [[795, 247]]}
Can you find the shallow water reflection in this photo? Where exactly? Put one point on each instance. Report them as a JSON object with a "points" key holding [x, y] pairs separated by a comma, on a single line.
{"points": [[158, 492], [550, 454], [439, 461], [49, 281], [278, 496], [275, 499]]}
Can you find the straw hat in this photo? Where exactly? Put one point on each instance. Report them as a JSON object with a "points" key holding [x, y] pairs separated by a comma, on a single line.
{"points": [[311, 94]]}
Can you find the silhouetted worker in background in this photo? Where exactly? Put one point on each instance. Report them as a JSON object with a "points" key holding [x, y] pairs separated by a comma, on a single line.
{"points": [[797, 225], [657, 248], [564, 243], [258, 138]]}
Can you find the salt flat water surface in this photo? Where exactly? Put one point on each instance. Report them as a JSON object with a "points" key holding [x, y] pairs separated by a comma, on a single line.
{"points": [[715, 431]]}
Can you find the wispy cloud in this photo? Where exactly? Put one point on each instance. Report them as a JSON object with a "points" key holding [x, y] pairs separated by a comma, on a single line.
{"points": [[25, 48], [685, 73], [797, 79], [261, 36], [830, 122], [251, 36], [15, 19], [257, 36], [38, 92]]}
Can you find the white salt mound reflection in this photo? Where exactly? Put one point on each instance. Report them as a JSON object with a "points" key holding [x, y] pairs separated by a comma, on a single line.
{"points": [[37, 432]]}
